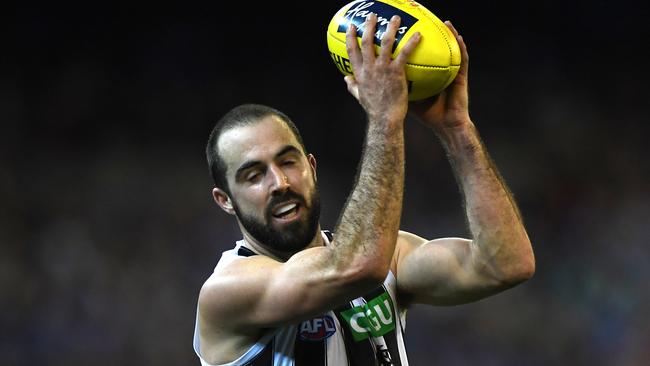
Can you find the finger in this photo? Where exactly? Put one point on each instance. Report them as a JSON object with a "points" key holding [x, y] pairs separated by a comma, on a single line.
{"points": [[464, 60], [353, 87], [408, 48], [388, 39], [352, 46], [368, 38], [451, 27]]}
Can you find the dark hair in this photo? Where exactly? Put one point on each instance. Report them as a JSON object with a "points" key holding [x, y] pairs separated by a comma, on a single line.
{"points": [[242, 115]]}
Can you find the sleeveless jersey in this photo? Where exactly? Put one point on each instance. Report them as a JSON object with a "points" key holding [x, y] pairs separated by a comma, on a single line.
{"points": [[367, 331]]}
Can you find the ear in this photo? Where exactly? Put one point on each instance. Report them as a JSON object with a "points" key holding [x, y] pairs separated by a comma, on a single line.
{"points": [[223, 200], [312, 164]]}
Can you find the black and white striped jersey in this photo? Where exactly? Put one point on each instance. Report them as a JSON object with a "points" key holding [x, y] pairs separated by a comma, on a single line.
{"points": [[366, 331]]}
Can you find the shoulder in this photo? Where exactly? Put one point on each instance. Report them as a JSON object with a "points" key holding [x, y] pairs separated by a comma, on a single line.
{"points": [[406, 242], [407, 238], [227, 288], [223, 300]]}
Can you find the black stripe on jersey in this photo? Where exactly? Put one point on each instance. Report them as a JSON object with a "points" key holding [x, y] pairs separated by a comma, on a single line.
{"points": [[391, 337], [374, 293], [329, 235], [391, 343], [310, 353], [264, 358], [245, 252], [360, 353]]}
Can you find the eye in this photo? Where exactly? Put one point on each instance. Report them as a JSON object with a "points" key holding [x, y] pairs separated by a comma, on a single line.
{"points": [[253, 176], [288, 162]]}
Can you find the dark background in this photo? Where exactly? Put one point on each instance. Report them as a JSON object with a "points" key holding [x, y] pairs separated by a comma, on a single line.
{"points": [[108, 229]]}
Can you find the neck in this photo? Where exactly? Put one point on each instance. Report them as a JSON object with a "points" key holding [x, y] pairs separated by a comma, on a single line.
{"points": [[278, 255]]}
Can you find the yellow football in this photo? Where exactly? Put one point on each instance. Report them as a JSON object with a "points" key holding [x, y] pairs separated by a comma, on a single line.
{"points": [[434, 63]]}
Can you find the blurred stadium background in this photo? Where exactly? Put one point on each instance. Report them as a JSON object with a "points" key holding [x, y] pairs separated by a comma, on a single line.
{"points": [[107, 227]]}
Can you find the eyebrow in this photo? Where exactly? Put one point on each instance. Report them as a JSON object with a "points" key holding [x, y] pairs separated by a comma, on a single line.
{"points": [[251, 163]]}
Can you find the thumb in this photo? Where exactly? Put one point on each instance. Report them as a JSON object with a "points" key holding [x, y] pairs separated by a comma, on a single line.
{"points": [[353, 87]]}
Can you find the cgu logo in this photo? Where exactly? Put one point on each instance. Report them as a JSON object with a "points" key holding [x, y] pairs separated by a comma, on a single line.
{"points": [[317, 329], [374, 319]]}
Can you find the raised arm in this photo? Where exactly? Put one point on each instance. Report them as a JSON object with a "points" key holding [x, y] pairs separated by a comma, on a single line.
{"points": [[499, 254], [259, 292]]}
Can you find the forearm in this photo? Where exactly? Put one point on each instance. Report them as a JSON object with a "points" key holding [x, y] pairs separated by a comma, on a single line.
{"points": [[501, 247], [368, 226]]}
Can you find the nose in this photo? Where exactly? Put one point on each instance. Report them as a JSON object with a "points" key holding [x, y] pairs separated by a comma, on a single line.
{"points": [[280, 182]]}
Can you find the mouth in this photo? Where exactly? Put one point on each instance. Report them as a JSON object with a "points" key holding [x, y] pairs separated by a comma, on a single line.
{"points": [[286, 211]]}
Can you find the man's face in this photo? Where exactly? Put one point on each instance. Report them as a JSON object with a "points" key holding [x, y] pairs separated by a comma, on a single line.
{"points": [[272, 184]]}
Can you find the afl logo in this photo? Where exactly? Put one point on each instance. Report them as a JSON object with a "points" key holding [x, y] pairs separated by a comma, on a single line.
{"points": [[317, 329]]}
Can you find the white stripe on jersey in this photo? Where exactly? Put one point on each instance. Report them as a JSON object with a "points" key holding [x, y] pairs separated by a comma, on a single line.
{"points": [[336, 354]]}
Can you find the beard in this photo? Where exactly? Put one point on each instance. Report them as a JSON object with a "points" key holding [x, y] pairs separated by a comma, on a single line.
{"points": [[292, 237]]}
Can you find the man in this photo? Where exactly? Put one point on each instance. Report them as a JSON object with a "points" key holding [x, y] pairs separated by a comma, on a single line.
{"points": [[291, 294]]}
